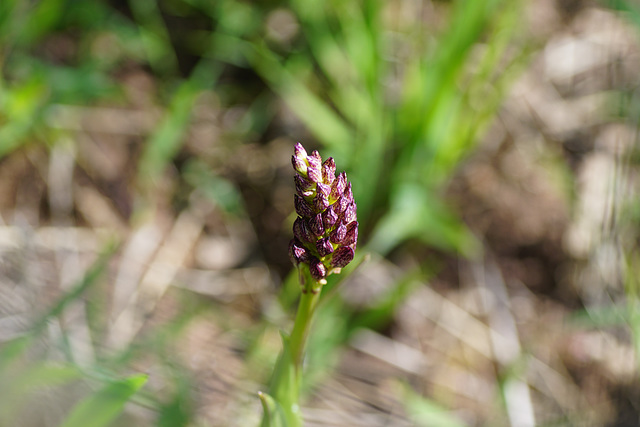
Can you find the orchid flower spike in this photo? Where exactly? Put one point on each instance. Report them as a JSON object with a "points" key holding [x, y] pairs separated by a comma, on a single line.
{"points": [[326, 230]]}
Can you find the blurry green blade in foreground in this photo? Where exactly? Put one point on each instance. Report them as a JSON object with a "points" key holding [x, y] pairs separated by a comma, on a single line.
{"points": [[101, 408]]}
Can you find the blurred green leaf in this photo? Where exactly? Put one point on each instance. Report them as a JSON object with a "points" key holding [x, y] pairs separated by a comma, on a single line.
{"points": [[314, 112], [14, 349], [19, 106], [179, 410], [415, 213], [155, 36], [103, 407], [273, 415], [221, 191], [632, 9], [44, 17], [16, 387], [425, 412], [89, 279], [383, 310], [167, 139]]}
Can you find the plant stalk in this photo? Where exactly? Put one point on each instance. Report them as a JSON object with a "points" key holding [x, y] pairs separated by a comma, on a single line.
{"points": [[286, 381]]}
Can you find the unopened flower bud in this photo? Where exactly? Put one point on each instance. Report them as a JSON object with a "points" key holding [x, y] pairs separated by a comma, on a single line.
{"points": [[301, 231], [329, 171], [338, 186], [324, 247], [304, 187], [351, 236], [337, 236], [326, 230], [342, 256], [329, 218], [316, 226], [314, 171], [302, 207], [299, 159], [317, 269], [297, 252]]}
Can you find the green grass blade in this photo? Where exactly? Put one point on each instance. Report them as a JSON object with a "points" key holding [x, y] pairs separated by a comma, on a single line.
{"points": [[425, 412], [16, 389], [90, 278], [166, 141], [273, 416], [103, 407]]}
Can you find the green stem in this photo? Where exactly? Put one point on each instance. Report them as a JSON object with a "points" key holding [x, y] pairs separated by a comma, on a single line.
{"points": [[301, 326], [286, 380]]}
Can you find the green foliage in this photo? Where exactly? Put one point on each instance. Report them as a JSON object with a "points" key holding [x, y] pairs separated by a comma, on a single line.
{"points": [[103, 407], [399, 103], [410, 139], [426, 412]]}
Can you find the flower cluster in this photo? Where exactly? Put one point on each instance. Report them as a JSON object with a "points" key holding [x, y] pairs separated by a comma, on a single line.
{"points": [[326, 230]]}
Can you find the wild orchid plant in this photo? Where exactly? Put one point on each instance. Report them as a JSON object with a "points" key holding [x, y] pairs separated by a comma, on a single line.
{"points": [[325, 237]]}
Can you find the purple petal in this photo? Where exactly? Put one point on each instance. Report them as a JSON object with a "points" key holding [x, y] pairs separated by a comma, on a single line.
{"points": [[324, 247], [341, 205], [314, 159], [314, 174], [338, 235], [320, 202], [317, 269], [351, 236], [316, 226], [299, 165], [342, 256], [350, 213], [300, 151], [314, 171], [301, 231], [348, 194], [304, 187], [329, 218], [302, 207], [329, 171], [297, 253], [338, 186], [323, 189]]}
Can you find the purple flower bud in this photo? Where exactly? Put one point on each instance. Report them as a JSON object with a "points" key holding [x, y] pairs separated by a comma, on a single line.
{"points": [[329, 171], [324, 247], [302, 207], [314, 171], [338, 186], [316, 226], [301, 231], [299, 159], [329, 218], [342, 256], [351, 236], [297, 252], [341, 205], [317, 269], [337, 235], [314, 159], [320, 202], [350, 213], [300, 151], [304, 187], [323, 189], [348, 194]]}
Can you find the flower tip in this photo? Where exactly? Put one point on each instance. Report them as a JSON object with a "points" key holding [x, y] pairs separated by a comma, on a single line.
{"points": [[300, 151]]}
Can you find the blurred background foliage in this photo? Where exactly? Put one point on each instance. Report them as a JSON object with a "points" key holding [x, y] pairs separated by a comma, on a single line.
{"points": [[146, 206]]}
